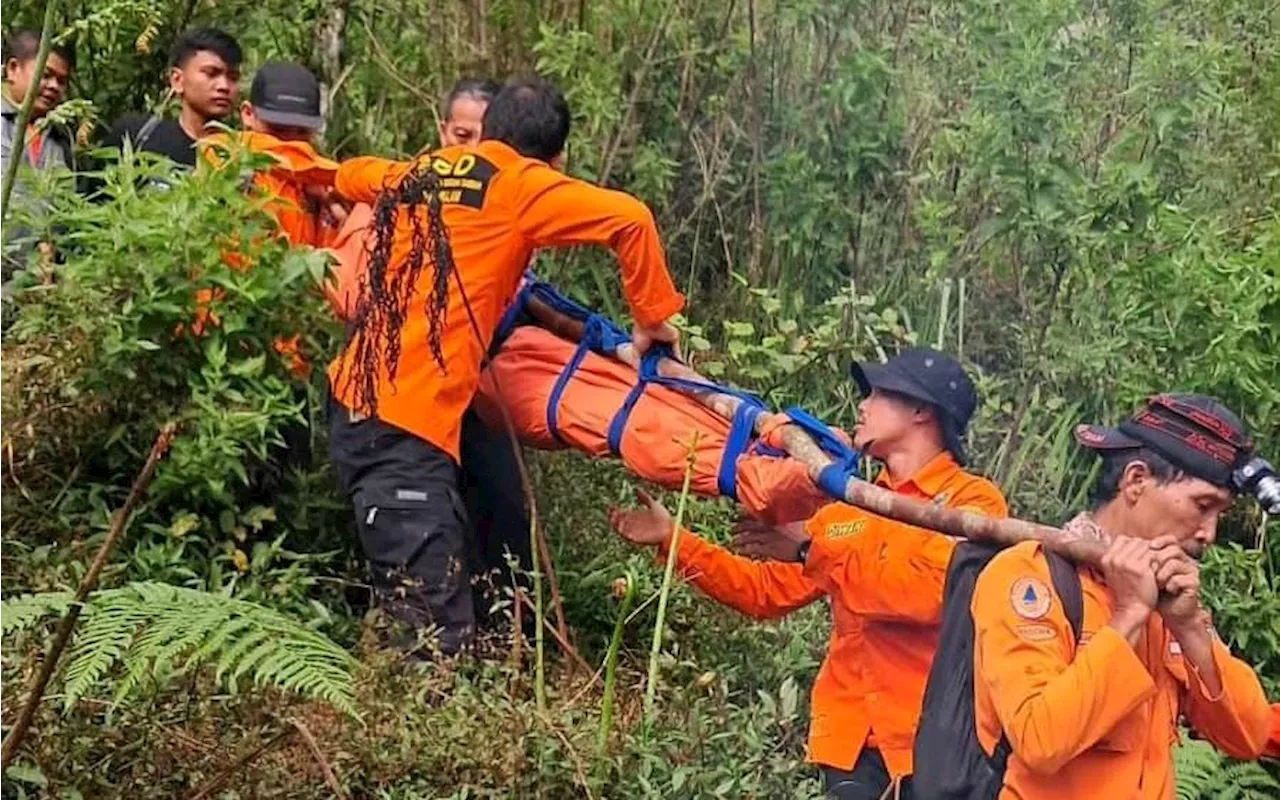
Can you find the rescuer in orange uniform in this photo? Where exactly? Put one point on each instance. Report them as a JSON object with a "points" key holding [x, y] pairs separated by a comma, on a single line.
{"points": [[1099, 718], [281, 118], [453, 232], [885, 579]]}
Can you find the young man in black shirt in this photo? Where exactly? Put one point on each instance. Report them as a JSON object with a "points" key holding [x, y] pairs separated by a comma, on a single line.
{"points": [[204, 72]]}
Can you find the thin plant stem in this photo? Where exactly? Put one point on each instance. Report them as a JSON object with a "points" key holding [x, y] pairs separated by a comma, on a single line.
{"points": [[655, 650], [611, 662]]}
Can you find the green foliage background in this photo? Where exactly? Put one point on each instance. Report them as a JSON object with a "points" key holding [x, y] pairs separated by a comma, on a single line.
{"points": [[1079, 198]]}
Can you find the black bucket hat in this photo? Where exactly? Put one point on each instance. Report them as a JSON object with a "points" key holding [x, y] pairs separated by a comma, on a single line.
{"points": [[932, 377], [1194, 432]]}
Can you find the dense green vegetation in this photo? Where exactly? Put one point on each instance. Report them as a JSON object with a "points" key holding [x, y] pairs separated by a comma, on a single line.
{"points": [[1081, 199]]}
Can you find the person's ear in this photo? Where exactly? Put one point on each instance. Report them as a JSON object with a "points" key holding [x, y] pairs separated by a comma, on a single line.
{"points": [[1134, 481], [175, 80], [246, 115], [923, 413], [11, 66], [559, 162]]}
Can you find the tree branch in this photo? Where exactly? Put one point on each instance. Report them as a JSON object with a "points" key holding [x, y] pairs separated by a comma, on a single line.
{"points": [[87, 584]]}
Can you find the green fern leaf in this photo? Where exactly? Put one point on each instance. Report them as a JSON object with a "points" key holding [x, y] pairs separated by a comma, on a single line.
{"points": [[28, 610], [156, 632], [1205, 774], [101, 641]]}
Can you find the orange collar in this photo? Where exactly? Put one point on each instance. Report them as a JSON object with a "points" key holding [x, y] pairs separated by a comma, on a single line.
{"points": [[929, 479]]}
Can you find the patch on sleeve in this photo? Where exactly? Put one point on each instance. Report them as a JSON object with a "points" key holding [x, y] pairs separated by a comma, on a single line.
{"points": [[1036, 631], [843, 530], [1030, 598]]}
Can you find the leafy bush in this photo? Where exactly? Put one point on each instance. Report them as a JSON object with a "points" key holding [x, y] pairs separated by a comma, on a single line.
{"points": [[140, 325]]}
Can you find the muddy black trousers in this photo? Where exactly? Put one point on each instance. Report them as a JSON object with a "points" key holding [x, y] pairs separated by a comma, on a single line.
{"points": [[413, 523]]}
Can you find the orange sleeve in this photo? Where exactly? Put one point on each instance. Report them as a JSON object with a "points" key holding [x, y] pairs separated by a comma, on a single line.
{"points": [[887, 569], [1273, 743], [1238, 720], [552, 209], [760, 589], [361, 179], [1051, 707], [301, 162]]}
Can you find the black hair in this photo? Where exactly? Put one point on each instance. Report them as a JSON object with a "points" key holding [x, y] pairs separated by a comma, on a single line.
{"points": [[475, 88], [1114, 462], [213, 40], [382, 306], [530, 115], [24, 44]]}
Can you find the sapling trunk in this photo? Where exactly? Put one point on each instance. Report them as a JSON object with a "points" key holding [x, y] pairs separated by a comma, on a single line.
{"points": [[655, 650], [119, 524]]}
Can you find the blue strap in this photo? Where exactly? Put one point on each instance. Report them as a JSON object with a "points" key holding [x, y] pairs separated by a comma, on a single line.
{"points": [[741, 430], [647, 373], [609, 335], [760, 448], [512, 315], [740, 434], [833, 477], [592, 334]]}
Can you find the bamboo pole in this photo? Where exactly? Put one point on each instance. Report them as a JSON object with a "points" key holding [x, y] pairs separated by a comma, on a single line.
{"points": [[857, 492]]}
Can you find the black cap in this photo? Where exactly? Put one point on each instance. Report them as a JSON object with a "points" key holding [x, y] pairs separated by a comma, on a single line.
{"points": [[1195, 432], [932, 377], [286, 94]]}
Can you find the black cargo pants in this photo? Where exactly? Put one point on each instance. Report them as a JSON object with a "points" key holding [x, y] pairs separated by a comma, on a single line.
{"points": [[411, 521], [495, 503], [869, 780]]}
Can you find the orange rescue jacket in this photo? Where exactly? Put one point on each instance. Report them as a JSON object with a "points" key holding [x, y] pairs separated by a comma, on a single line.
{"points": [[1099, 720], [885, 580], [297, 166], [498, 207]]}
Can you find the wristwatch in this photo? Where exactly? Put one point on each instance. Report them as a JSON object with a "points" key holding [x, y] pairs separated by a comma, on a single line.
{"points": [[802, 553]]}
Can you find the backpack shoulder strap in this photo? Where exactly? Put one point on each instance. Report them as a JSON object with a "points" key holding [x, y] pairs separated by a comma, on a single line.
{"points": [[1066, 584], [144, 133]]}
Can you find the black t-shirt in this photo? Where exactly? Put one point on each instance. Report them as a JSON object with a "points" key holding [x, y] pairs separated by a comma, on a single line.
{"points": [[167, 138]]}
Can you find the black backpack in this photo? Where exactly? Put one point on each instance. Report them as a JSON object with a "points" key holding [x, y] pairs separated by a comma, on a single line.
{"points": [[950, 764]]}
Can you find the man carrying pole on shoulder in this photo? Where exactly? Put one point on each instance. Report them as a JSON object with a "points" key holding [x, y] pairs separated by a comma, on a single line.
{"points": [[884, 578], [1090, 707]]}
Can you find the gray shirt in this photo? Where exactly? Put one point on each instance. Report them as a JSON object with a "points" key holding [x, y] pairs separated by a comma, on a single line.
{"points": [[55, 153]]}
